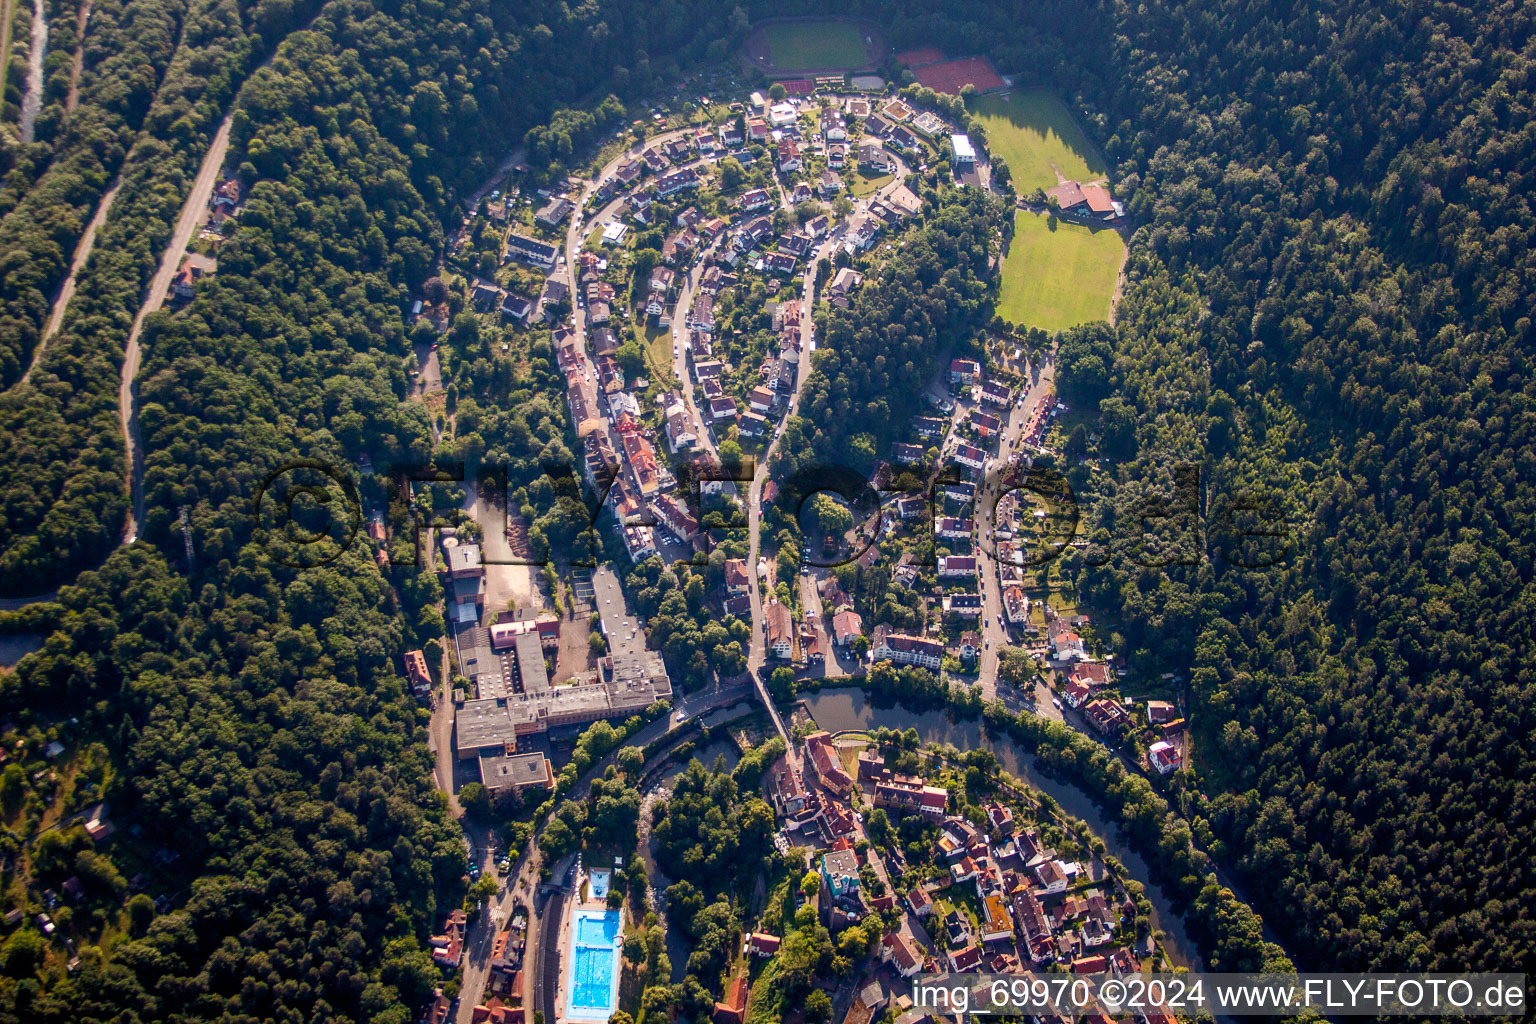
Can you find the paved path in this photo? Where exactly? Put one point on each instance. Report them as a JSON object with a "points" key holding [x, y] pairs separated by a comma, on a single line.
{"points": [[72, 98], [67, 289], [193, 213], [32, 99], [757, 658], [994, 631]]}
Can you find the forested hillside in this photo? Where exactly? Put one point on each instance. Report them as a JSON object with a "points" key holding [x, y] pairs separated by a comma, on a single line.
{"points": [[879, 353], [1329, 306], [255, 721], [156, 78], [1326, 302]]}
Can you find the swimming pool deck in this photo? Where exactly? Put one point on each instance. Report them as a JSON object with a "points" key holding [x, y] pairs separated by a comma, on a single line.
{"points": [[593, 943]]}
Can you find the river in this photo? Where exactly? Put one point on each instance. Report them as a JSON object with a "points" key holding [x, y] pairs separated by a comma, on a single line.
{"points": [[14, 647], [850, 708], [659, 788]]}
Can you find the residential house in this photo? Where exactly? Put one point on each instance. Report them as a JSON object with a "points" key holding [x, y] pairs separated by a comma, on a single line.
{"points": [[967, 959], [928, 427], [964, 371], [845, 282], [737, 580], [789, 157], [985, 424], [951, 528], [752, 424], [903, 649], [996, 923], [786, 791], [779, 263], [873, 158], [701, 316], [896, 948], [1094, 675], [840, 872], [957, 567], [722, 409], [993, 393], [679, 247], [1085, 202], [778, 629], [531, 250], [813, 646], [1107, 716], [1050, 877], [970, 457], [903, 796], [846, 625], [1165, 757], [822, 758], [755, 199], [416, 671], [515, 307], [677, 181], [761, 944], [553, 213], [194, 267], [731, 1008], [671, 514], [965, 606], [1064, 642]]}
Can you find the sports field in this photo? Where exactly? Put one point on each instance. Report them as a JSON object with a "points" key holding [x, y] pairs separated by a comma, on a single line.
{"points": [[1036, 134], [1058, 276], [802, 45]]}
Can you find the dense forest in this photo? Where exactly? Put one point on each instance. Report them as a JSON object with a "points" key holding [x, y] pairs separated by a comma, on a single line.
{"points": [[253, 713], [1324, 304], [155, 80], [1326, 312], [878, 354]]}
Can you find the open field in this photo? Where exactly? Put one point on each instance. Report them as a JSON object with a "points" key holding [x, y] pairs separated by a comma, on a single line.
{"points": [[816, 44], [1036, 134], [862, 185], [1059, 274], [951, 76]]}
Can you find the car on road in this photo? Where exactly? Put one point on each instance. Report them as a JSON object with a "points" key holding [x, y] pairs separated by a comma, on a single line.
{"points": [[1056, 701]]}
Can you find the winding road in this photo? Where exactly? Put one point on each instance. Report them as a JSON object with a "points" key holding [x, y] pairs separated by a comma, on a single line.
{"points": [[193, 212], [757, 658]]}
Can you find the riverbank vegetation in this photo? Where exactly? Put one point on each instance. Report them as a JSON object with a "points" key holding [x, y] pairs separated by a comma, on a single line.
{"points": [[1230, 933], [254, 715]]}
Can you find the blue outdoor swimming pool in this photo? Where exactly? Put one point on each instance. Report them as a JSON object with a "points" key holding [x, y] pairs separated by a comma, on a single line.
{"points": [[593, 986]]}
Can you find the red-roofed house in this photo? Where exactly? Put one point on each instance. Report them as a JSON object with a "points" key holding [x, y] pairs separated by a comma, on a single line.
{"points": [[733, 1007], [762, 944], [823, 759]]}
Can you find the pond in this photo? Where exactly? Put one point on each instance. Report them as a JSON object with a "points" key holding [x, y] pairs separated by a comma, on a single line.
{"points": [[850, 708]]}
